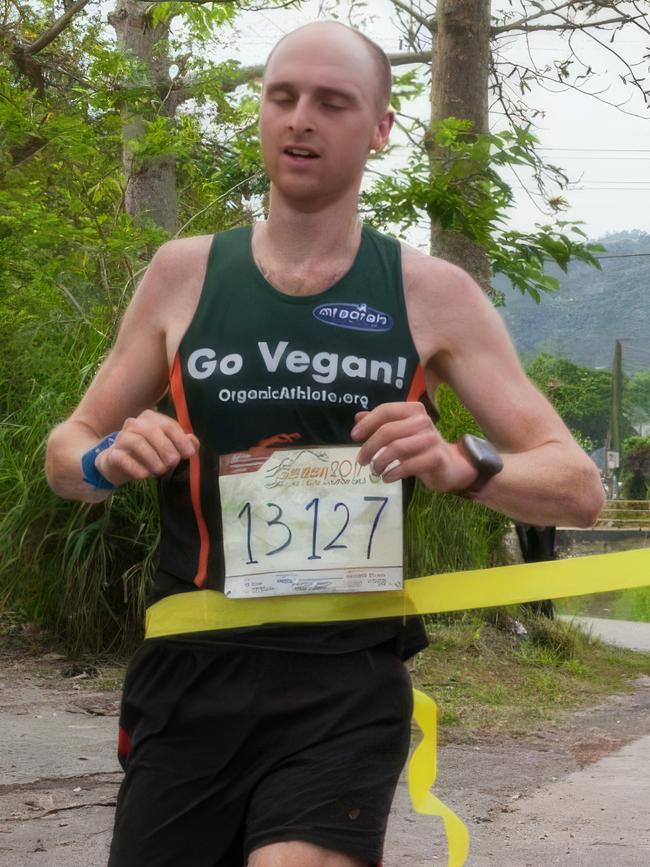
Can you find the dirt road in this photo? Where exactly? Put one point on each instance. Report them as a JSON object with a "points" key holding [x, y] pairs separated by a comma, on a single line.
{"points": [[573, 794]]}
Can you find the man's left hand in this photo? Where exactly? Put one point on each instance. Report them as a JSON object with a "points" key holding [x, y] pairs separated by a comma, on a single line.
{"points": [[400, 440]]}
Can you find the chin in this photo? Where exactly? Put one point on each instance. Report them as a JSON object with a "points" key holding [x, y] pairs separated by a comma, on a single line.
{"points": [[304, 197], [312, 196]]}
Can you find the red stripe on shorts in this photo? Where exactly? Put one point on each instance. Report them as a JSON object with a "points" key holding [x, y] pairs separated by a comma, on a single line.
{"points": [[123, 743]]}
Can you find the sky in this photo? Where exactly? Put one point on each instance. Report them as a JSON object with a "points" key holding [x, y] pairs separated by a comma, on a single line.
{"points": [[604, 151]]}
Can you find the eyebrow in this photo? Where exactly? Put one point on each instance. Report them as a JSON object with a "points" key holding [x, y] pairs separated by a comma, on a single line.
{"points": [[322, 90]]}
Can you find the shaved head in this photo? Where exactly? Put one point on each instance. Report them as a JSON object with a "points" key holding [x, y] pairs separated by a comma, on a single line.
{"points": [[383, 78]]}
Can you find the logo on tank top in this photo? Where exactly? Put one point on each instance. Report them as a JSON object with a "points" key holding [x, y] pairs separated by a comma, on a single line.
{"points": [[358, 317]]}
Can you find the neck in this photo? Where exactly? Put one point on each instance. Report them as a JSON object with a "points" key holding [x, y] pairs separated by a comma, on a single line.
{"points": [[301, 237]]}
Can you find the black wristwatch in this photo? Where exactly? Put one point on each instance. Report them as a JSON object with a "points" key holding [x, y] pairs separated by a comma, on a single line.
{"points": [[482, 455]]}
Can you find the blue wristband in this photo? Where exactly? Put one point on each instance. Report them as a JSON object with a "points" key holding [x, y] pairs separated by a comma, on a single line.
{"points": [[91, 474]]}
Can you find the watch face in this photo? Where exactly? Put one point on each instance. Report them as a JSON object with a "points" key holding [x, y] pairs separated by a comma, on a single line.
{"points": [[483, 454]]}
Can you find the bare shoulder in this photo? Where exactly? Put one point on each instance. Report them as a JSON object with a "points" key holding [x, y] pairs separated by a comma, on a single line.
{"points": [[443, 302], [169, 292], [429, 278], [178, 263]]}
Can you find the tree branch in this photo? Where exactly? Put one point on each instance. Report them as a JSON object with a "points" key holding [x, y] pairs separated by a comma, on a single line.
{"points": [[634, 80], [428, 23], [403, 58], [59, 25], [185, 88], [568, 25], [517, 25], [285, 5], [567, 85]]}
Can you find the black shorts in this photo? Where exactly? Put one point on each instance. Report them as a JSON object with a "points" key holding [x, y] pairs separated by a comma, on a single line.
{"points": [[229, 748]]}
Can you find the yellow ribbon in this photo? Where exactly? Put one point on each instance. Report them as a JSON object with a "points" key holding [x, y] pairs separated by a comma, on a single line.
{"points": [[422, 775], [206, 610]]}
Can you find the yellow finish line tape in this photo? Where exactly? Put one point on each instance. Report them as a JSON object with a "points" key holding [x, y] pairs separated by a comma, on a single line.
{"points": [[206, 610], [422, 775]]}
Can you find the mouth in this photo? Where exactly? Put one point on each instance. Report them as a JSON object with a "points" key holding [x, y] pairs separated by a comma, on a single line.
{"points": [[300, 154]]}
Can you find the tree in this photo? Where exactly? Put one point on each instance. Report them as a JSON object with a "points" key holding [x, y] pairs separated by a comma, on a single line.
{"points": [[636, 468], [637, 393], [581, 396], [467, 71]]}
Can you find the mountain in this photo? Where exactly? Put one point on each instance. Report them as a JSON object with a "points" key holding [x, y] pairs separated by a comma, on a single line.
{"points": [[591, 310]]}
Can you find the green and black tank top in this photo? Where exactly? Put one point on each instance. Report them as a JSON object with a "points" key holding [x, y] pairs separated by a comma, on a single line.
{"points": [[258, 367]]}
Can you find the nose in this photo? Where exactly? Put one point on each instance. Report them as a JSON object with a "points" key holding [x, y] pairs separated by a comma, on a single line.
{"points": [[300, 119]]}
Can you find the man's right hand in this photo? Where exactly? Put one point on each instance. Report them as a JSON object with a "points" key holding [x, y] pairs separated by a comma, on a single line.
{"points": [[151, 444]]}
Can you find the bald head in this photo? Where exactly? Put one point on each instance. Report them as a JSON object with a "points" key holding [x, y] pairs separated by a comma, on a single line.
{"points": [[350, 40]]}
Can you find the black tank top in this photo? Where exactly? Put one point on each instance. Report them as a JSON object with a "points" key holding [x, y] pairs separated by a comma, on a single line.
{"points": [[258, 367]]}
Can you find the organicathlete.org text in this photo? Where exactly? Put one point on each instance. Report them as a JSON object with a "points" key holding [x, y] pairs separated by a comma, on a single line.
{"points": [[293, 393]]}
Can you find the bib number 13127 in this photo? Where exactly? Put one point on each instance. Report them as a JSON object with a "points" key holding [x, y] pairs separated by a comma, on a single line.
{"points": [[308, 521]]}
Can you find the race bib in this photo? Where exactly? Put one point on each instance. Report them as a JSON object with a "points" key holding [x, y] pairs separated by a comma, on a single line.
{"points": [[299, 521]]}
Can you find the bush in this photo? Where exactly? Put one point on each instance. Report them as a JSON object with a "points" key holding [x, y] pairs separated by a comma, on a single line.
{"points": [[77, 570], [636, 468], [561, 639]]}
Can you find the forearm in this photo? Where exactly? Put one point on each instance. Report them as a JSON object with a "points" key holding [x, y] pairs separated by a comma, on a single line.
{"points": [[552, 485], [67, 443]]}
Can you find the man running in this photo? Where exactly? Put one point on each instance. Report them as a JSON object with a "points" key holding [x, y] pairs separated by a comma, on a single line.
{"points": [[282, 745]]}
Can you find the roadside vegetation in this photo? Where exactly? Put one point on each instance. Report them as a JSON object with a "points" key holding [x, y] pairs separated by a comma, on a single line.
{"points": [[486, 679], [630, 604]]}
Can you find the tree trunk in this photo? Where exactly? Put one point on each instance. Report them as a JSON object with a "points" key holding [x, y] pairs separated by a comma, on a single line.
{"points": [[460, 89], [151, 181]]}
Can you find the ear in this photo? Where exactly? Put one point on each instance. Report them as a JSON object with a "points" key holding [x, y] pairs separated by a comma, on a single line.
{"points": [[382, 132]]}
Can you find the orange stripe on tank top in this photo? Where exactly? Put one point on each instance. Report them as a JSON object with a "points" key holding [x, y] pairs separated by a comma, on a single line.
{"points": [[418, 385], [183, 415]]}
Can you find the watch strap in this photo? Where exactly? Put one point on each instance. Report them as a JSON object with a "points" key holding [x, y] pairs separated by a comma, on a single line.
{"points": [[90, 473], [484, 457]]}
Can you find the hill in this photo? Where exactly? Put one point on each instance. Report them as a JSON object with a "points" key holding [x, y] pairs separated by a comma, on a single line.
{"points": [[592, 309]]}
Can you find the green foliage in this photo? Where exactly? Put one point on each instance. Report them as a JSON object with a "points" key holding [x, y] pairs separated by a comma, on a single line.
{"points": [[446, 533], [486, 679], [200, 20], [585, 442], [636, 468], [70, 259], [635, 605], [630, 604], [582, 397], [637, 393], [406, 87], [637, 454], [558, 637], [80, 571], [455, 181]]}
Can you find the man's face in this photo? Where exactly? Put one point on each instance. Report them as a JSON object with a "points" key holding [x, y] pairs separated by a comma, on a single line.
{"points": [[319, 114]]}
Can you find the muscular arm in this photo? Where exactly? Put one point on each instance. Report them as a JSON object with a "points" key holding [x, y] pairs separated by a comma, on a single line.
{"points": [[129, 383], [547, 479]]}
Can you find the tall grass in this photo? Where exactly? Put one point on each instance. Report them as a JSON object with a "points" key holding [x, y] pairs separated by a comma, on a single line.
{"points": [[446, 533], [77, 570]]}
